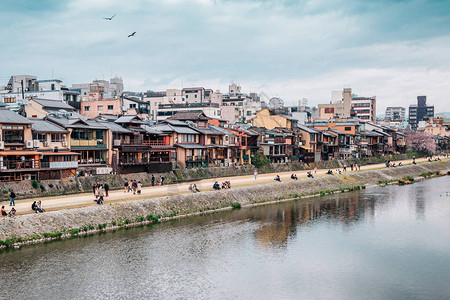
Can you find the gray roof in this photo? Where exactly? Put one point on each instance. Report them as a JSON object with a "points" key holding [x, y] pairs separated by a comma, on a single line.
{"points": [[10, 117], [46, 103], [76, 123], [151, 130], [175, 122], [165, 127], [190, 146], [222, 130], [308, 129], [40, 125], [114, 127], [129, 119]]}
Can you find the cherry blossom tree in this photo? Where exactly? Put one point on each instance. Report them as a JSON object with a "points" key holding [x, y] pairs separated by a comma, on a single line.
{"points": [[421, 141]]}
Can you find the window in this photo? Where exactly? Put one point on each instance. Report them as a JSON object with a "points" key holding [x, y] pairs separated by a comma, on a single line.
{"points": [[188, 138], [42, 137], [87, 108], [133, 105], [195, 96], [187, 96], [347, 128], [99, 107], [249, 112], [312, 137], [53, 87], [10, 100], [329, 110], [13, 134], [57, 137], [110, 107]]}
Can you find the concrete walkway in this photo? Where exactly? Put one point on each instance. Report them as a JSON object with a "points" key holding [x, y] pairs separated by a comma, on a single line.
{"points": [[87, 199]]}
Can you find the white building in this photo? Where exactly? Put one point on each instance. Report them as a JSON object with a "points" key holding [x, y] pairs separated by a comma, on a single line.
{"points": [[396, 113]]}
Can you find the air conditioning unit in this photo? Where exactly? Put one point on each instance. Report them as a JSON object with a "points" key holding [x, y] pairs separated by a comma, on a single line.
{"points": [[46, 144], [2, 145], [35, 143], [64, 143], [29, 144]]}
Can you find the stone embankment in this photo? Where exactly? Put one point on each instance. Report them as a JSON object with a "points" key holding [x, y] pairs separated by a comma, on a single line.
{"points": [[28, 189], [33, 228]]}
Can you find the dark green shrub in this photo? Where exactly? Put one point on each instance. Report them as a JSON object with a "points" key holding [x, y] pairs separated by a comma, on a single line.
{"points": [[127, 221], [50, 185], [42, 188], [74, 231], [236, 205], [34, 184], [140, 219], [91, 227], [259, 160]]}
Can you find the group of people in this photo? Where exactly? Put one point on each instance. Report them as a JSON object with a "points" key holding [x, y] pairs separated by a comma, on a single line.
{"points": [[37, 207], [11, 213], [294, 176], [100, 191], [193, 188], [352, 167], [224, 185], [133, 186], [161, 180]]}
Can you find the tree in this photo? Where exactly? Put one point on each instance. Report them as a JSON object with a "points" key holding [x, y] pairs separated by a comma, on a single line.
{"points": [[421, 141], [259, 160]]}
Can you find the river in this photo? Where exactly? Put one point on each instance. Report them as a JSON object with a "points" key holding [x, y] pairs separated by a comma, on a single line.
{"points": [[380, 243]]}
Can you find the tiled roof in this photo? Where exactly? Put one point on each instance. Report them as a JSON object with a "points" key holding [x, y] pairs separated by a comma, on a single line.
{"points": [[8, 116], [40, 125]]}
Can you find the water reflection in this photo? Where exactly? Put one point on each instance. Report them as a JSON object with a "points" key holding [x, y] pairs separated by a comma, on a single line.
{"points": [[362, 245]]}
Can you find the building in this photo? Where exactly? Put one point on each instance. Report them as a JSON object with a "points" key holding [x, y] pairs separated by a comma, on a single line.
{"points": [[345, 105], [395, 114], [270, 120], [92, 108], [339, 106], [364, 108], [40, 108], [111, 89], [420, 112], [211, 110]]}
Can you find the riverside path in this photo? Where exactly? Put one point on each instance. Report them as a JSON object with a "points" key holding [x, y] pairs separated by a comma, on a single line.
{"points": [[87, 199]]}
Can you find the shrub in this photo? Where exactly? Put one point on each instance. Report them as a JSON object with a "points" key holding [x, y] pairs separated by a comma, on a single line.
{"points": [[34, 184], [140, 219], [259, 160], [113, 223], [42, 188], [74, 231], [236, 205], [127, 221], [85, 228], [91, 227], [5, 191], [50, 185]]}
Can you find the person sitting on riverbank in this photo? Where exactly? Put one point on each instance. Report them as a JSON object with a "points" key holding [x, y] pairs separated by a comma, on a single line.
{"points": [[339, 171], [309, 175], [34, 207], [139, 187], [429, 159], [39, 206], [294, 177], [226, 185], [329, 172], [277, 178], [195, 189], [4, 214], [400, 164], [12, 213], [216, 186]]}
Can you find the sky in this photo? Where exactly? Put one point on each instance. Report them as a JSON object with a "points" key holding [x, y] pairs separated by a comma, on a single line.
{"points": [[293, 49]]}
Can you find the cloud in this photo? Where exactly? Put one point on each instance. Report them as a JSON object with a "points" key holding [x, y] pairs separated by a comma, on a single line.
{"points": [[291, 45]]}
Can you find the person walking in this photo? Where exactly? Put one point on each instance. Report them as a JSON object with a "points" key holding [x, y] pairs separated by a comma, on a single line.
{"points": [[345, 167], [139, 187], [351, 167], [162, 180], [153, 180], [94, 186], [12, 197], [106, 187], [256, 174]]}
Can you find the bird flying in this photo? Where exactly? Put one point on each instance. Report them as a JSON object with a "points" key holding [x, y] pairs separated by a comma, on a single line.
{"points": [[109, 19], [132, 34]]}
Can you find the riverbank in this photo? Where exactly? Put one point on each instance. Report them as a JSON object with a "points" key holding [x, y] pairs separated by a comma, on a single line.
{"points": [[78, 185], [34, 228]]}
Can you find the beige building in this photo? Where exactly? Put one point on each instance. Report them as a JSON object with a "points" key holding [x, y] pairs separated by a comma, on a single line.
{"points": [[92, 108], [40, 108], [264, 118], [337, 108]]}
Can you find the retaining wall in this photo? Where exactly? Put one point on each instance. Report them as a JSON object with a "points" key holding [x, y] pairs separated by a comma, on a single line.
{"points": [[75, 221]]}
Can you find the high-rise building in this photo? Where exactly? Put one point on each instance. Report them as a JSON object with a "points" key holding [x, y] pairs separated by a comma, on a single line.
{"points": [[395, 114], [420, 112]]}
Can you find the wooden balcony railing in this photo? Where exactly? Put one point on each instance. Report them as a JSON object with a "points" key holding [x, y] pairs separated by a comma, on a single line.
{"points": [[19, 164]]}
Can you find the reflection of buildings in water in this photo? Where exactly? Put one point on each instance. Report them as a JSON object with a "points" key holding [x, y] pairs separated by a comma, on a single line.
{"points": [[418, 195], [284, 220]]}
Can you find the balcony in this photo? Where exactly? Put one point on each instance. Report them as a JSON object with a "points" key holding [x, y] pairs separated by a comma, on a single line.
{"points": [[87, 143], [27, 164], [59, 164], [276, 140], [138, 143], [196, 158], [145, 161]]}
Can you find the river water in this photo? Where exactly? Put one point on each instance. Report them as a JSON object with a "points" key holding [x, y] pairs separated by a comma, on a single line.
{"points": [[379, 243]]}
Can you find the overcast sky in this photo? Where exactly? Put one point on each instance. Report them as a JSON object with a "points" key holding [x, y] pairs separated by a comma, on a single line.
{"points": [[293, 49]]}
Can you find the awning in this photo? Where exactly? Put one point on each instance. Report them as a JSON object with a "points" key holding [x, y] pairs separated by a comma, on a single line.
{"points": [[306, 147], [16, 152], [60, 153]]}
